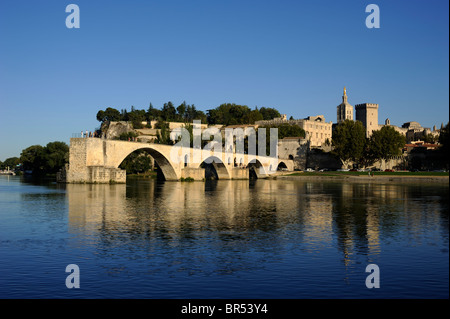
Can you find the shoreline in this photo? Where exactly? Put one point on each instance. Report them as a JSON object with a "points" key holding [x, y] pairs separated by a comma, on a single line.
{"points": [[376, 178]]}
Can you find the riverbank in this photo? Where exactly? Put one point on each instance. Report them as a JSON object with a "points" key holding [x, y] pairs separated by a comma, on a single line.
{"points": [[419, 177]]}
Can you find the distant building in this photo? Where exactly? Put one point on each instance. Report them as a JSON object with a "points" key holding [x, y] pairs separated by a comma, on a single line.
{"points": [[387, 122], [291, 147], [419, 144], [367, 113], [316, 128], [344, 110]]}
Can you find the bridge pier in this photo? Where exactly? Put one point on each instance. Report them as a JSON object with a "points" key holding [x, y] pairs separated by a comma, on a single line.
{"points": [[198, 174], [240, 173], [92, 175]]}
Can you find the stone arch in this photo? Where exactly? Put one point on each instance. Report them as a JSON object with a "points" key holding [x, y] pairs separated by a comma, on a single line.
{"points": [[221, 170], [256, 168], [167, 169], [281, 166]]}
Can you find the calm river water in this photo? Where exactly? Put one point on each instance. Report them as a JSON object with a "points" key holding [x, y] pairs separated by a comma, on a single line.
{"points": [[223, 239]]}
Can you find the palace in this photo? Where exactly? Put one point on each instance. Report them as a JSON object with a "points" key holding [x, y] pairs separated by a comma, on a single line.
{"points": [[367, 114]]}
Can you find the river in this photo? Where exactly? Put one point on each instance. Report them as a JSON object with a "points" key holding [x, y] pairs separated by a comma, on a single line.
{"points": [[288, 239]]}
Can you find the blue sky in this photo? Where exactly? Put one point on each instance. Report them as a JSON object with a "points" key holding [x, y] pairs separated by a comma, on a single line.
{"points": [[295, 56]]}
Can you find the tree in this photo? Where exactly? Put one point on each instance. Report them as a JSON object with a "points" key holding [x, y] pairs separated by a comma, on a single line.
{"points": [[349, 140], [110, 114], [253, 116], [56, 155], [152, 113], [10, 162], [444, 135], [228, 114], [127, 136], [168, 112], [286, 130], [386, 143], [33, 158], [136, 117], [181, 110], [48, 159], [163, 135], [101, 116], [430, 138], [137, 162], [269, 113]]}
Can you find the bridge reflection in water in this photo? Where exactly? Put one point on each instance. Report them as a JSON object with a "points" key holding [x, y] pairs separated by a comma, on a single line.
{"points": [[279, 216]]}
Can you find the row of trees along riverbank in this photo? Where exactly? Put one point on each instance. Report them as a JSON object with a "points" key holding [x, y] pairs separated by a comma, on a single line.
{"points": [[40, 160]]}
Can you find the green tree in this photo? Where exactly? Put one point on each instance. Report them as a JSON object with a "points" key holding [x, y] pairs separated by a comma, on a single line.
{"points": [[168, 112], [110, 114], [33, 158], [269, 113], [181, 110], [386, 143], [136, 117], [56, 155], [163, 135], [127, 136], [349, 141], [228, 114], [101, 116], [430, 138], [10, 162], [48, 159], [444, 140], [152, 113], [137, 162], [252, 116], [286, 130]]}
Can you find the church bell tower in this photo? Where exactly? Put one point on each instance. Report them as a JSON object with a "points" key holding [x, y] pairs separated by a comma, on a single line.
{"points": [[344, 110]]}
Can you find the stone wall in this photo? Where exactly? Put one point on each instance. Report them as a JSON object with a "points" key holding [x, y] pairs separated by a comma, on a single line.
{"points": [[115, 129], [295, 149], [100, 174], [239, 173], [318, 159], [197, 174]]}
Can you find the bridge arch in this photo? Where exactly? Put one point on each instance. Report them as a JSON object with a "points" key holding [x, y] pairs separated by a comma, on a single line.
{"points": [[166, 167], [281, 166], [221, 170], [256, 168]]}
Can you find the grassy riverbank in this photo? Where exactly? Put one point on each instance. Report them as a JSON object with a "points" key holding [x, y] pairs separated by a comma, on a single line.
{"points": [[414, 177], [335, 173], [151, 174]]}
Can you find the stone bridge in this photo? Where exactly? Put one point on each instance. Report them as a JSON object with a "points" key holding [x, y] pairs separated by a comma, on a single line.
{"points": [[94, 160]]}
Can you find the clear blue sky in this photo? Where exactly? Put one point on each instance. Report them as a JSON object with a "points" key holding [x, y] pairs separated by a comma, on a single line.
{"points": [[295, 56]]}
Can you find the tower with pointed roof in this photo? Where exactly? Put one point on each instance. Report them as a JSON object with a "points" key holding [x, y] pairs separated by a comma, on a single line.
{"points": [[344, 110]]}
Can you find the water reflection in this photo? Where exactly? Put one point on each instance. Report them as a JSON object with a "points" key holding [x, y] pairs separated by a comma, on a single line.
{"points": [[264, 215], [224, 239]]}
